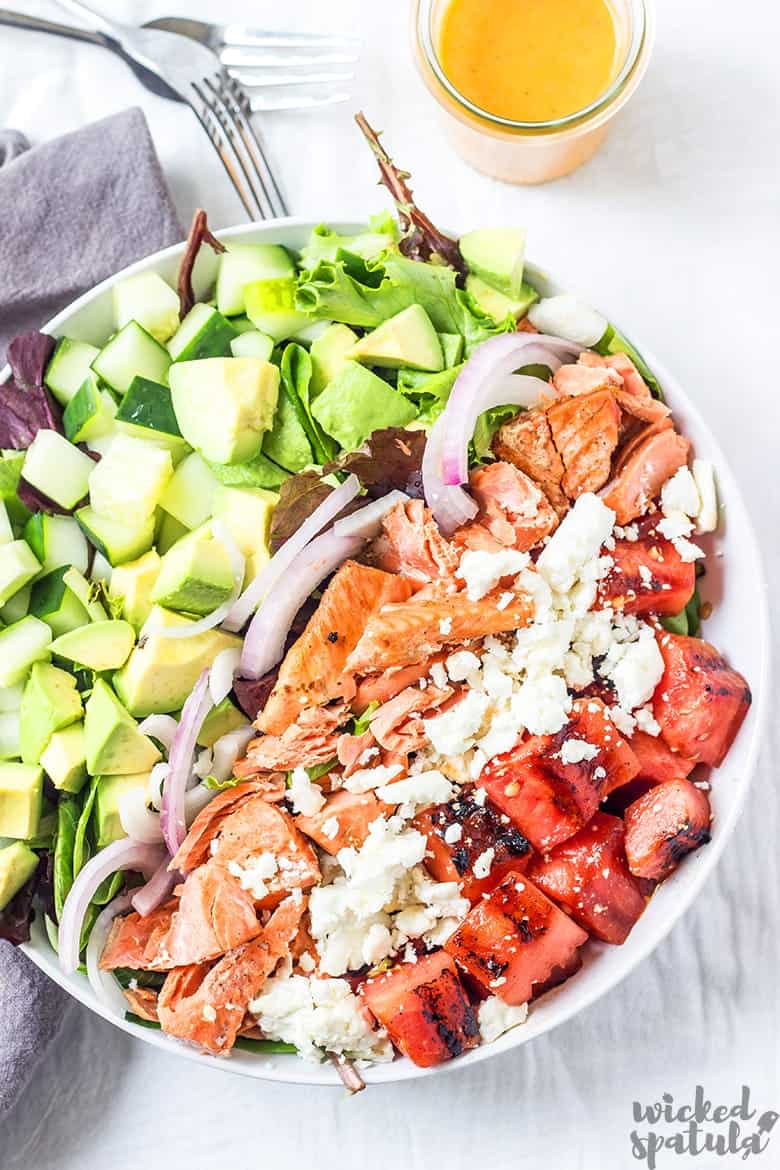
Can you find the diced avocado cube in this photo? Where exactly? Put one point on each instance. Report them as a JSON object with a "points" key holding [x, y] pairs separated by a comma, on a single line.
{"points": [[270, 305], [133, 584], [220, 720], [86, 593], [57, 468], [244, 263], [17, 865], [97, 646], [6, 528], [203, 333], [246, 513], [50, 702], [113, 742], [149, 300], [195, 575], [255, 563], [357, 402], [189, 493], [10, 745], [21, 800], [11, 464], [225, 405], [452, 346], [407, 339], [131, 353], [258, 472], [496, 304], [64, 760], [54, 603], [116, 541], [68, 366], [497, 256], [108, 800], [21, 644], [90, 412], [253, 343], [168, 532], [18, 566], [57, 541], [16, 607], [127, 483], [161, 672]]}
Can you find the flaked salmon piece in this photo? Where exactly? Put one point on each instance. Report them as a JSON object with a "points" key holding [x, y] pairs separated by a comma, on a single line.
{"points": [[394, 715], [134, 941], [310, 740], [207, 1005], [634, 394], [351, 748], [585, 432], [343, 821], [142, 1002], [525, 326], [584, 378], [194, 849], [215, 916], [381, 687], [644, 467], [313, 670], [413, 630], [410, 544], [526, 442], [513, 509]]}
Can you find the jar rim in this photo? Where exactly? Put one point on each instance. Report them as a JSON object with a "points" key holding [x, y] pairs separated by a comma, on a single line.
{"points": [[640, 36]]}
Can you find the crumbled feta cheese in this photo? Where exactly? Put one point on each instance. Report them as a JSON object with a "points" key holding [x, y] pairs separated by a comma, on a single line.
{"points": [[646, 722], [576, 541], [576, 751], [484, 863], [438, 675], [630, 532], [307, 798], [496, 1017], [453, 834], [504, 600], [480, 796], [680, 494], [704, 476], [422, 789], [461, 665], [675, 525], [687, 550], [366, 779], [636, 670], [445, 626], [542, 704], [330, 828], [453, 732], [255, 873], [377, 944], [482, 571], [209, 1013]]}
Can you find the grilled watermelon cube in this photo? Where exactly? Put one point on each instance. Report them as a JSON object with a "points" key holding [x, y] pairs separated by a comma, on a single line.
{"points": [[663, 825]]}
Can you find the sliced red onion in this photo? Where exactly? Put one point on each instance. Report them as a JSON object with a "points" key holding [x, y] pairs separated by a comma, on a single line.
{"points": [[196, 799], [218, 615], [267, 633], [483, 383], [350, 1077], [172, 814], [154, 787], [221, 674], [103, 983], [281, 561], [366, 522], [138, 821], [227, 749], [160, 727], [156, 891], [124, 854]]}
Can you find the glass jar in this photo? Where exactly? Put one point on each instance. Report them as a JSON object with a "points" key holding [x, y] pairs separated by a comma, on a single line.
{"points": [[532, 152]]}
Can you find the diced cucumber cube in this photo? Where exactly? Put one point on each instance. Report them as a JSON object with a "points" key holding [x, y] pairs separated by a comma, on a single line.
{"points": [[253, 344], [101, 570], [10, 748], [18, 566], [190, 492], [16, 607], [127, 483], [21, 644], [151, 302], [6, 531], [58, 469], [203, 333], [53, 602], [242, 324], [11, 465], [244, 263], [270, 304], [85, 591], [146, 412], [69, 366], [11, 697], [132, 352], [169, 530], [90, 412], [117, 542], [56, 541]]}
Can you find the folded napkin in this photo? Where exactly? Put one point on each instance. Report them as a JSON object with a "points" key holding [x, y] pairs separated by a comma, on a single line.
{"points": [[72, 212]]}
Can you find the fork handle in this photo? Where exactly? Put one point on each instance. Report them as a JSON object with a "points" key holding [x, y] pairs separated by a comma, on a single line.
{"points": [[100, 23], [35, 24]]}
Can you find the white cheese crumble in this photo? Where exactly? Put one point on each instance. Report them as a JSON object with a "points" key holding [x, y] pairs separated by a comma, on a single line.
{"points": [[330, 828], [421, 789], [576, 542], [445, 626], [484, 863], [482, 571], [366, 779], [704, 476], [307, 798], [496, 1017], [255, 873], [680, 494], [453, 732], [577, 751], [453, 833], [461, 665], [635, 669]]}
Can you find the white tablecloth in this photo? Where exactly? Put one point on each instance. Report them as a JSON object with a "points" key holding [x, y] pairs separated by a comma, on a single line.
{"points": [[674, 225]]}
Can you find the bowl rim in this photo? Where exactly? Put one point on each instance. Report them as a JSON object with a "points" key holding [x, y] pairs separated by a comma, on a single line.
{"points": [[691, 877]]}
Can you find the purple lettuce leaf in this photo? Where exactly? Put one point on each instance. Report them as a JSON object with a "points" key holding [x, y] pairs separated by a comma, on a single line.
{"points": [[26, 406]]}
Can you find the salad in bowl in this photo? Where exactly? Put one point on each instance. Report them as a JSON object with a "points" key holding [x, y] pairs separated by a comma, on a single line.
{"points": [[354, 686]]}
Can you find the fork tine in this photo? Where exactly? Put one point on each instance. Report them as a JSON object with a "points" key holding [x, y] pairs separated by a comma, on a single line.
{"points": [[215, 138], [244, 37], [222, 112], [252, 79], [236, 58], [241, 113], [266, 105]]}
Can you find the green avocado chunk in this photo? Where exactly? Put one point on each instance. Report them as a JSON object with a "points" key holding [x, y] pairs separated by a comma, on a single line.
{"points": [[17, 865], [114, 743], [328, 355], [219, 721], [132, 583], [54, 603], [18, 566], [496, 304], [110, 790], [99, 646], [407, 339], [195, 575], [358, 402], [65, 760], [50, 701], [21, 800], [224, 406], [497, 256]]}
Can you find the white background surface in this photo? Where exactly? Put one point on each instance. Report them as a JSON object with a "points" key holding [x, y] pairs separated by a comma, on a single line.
{"points": [[674, 226]]}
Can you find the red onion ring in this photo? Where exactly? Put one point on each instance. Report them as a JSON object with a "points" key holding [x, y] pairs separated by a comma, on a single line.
{"points": [[278, 565], [148, 897], [172, 810], [123, 854], [366, 522], [103, 983], [160, 727]]}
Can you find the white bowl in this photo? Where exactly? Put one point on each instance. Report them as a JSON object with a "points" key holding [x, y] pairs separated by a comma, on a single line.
{"points": [[739, 627]]}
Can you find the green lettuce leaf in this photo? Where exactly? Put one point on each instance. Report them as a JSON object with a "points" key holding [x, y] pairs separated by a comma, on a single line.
{"points": [[380, 234]]}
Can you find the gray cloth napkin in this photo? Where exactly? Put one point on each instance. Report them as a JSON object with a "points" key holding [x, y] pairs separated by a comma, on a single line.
{"points": [[72, 212]]}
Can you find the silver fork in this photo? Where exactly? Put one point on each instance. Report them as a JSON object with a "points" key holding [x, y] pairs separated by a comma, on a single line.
{"points": [[218, 101]]}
